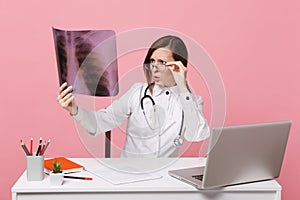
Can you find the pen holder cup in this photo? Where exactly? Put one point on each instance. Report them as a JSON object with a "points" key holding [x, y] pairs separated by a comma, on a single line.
{"points": [[35, 168]]}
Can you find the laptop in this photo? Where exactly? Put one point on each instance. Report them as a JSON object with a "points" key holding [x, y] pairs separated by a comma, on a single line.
{"points": [[240, 154]]}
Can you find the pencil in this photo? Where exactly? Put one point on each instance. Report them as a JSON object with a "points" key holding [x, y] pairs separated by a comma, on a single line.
{"points": [[25, 148], [43, 148], [76, 177], [40, 146], [31, 144], [46, 146]]}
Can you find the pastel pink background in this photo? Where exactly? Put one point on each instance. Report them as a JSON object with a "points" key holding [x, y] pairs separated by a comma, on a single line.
{"points": [[255, 45]]}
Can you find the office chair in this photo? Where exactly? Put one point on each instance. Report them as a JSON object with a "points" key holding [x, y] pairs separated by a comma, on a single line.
{"points": [[107, 144]]}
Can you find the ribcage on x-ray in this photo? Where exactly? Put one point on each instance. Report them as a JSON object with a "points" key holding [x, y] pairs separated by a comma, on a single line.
{"points": [[78, 59], [62, 55]]}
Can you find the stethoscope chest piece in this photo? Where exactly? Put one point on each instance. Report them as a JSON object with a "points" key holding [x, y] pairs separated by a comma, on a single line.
{"points": [[178, 141]]}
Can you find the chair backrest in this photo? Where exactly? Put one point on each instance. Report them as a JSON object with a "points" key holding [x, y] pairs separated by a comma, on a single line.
{"points": [[107, 144]]}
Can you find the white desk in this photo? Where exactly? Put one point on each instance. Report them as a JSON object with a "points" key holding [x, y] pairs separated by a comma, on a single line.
{"points": [[167, 187]]}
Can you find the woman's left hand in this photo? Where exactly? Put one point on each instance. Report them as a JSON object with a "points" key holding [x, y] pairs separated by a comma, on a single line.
{"points": [[179, 72]]}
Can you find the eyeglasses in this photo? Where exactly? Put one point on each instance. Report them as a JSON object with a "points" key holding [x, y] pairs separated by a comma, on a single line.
{"points": [[161, 65]]}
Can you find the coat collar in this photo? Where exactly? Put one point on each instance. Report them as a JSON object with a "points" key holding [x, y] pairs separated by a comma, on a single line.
{"points": [[158, 90]]}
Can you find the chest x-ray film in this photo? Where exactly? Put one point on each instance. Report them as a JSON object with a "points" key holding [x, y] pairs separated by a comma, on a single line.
{"points": [[87, 60]]}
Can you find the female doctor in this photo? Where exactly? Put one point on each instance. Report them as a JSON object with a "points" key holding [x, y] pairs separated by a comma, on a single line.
{"points": [[161, 113]]}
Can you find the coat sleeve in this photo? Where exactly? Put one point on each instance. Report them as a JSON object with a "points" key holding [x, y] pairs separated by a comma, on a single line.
{"points": [[103, 120], [195, 125]]}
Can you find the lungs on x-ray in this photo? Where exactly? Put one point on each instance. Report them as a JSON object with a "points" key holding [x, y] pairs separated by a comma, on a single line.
{"points": [[87, 60]]}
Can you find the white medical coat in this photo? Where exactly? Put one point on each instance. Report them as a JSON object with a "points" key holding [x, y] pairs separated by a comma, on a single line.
{"points": [[143, 140]]}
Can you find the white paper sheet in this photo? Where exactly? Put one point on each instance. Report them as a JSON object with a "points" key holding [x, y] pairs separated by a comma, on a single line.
{"points": [[127, 174]]}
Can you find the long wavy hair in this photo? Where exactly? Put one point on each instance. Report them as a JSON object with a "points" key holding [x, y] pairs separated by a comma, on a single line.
{"points": [[175, 45]]}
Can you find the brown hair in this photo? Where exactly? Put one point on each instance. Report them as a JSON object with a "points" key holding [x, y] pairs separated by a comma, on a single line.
{"points": [[174, 44]]}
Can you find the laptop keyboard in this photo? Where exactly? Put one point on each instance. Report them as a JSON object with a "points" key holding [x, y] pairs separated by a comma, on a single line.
{"points": [[199, 177]]}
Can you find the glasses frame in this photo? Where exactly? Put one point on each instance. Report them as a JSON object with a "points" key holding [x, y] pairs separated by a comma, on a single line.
{"points": [[161, 66]]}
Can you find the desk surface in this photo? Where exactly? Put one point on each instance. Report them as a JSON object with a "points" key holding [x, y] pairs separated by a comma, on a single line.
{"points": [[160, 166]]}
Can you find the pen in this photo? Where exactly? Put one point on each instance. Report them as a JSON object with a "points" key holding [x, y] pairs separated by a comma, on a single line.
{"points": [[40, 146], [76, 177], [46, 146], [31, 143], [25, 148]]}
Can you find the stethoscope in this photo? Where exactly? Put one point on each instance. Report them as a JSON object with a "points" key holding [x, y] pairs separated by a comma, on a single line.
{"points": [[177, 141]]}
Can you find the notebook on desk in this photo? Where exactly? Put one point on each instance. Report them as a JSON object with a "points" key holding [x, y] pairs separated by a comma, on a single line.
{"points": [[240, 154], [67, 165]]}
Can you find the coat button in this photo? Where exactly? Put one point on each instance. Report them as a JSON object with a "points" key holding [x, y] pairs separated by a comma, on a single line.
{"points": [[167, 92], [187, 98]]}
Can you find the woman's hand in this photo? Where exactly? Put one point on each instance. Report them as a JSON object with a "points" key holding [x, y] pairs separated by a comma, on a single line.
{"points": [[66, 99], [179, 72]]}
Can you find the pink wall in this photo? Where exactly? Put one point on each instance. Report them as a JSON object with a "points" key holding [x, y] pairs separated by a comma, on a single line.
{"points": [[253, 43]]}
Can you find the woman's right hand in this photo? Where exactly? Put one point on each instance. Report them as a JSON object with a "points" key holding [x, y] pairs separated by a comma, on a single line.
{"points": [[66, 99]]}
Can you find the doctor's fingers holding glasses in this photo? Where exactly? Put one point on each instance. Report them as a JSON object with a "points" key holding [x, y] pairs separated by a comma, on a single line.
{"points": [[66, 99], [179, 72]]}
